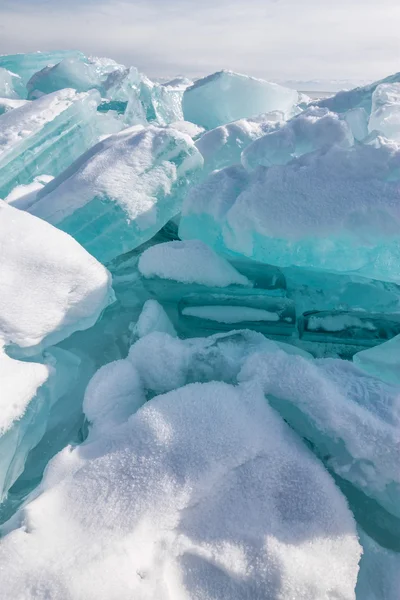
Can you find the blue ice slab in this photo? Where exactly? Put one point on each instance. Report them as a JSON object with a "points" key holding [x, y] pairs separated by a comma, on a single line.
{"points": [[122, 191]]}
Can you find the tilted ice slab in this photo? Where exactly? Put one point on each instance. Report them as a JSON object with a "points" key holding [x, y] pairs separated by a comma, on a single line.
{"points": [[226, 96], [28, 391], [45, 136], [385, 113], [352, 419], [50, 285], [313, 129], [25, 65], [123, 190], [335, 209], [166, 507], [189, 262], [223, 146]]}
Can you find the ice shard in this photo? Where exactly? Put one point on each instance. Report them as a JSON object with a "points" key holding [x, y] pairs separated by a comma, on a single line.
{"points": [[122, 191]]}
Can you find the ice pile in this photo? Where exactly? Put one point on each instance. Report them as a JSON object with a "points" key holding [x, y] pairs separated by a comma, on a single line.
{"points": [[199, 336]]}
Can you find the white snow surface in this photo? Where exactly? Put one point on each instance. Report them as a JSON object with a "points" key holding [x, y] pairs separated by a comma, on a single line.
{"points": [[153, 318], [189, 262], [23, 196], [50, 285], [167, 508]]}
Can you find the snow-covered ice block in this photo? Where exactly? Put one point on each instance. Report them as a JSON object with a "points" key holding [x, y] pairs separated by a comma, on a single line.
{"points": [[382, 361], [123, 190], [166, 506], [223, 146], [337, 209], [351, 418], [189, 262], [25, 65], [50, 285], [379, 576], [385, 112], [28, 391], [226, 96], [312, 130], [45, 136]]}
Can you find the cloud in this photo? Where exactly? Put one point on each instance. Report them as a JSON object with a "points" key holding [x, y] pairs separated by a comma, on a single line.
{"points": [[276, 39]]}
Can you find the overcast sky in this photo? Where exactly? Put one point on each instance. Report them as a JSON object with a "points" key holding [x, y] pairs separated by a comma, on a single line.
{"points": [[275, 39]]}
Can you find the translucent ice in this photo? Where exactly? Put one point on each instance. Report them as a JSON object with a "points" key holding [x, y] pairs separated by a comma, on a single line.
{"points": [[122, 191], [226, 96], [80, 74], [23, 196], [45, 136], [25, 65], [165, 506], [64, 288], [28, 390], [383, 361], [335, 209], [385, 113], [379, 576], [350, 417], [313, 129]]}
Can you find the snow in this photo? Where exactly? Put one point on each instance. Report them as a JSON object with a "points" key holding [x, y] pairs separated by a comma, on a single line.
{"points": [[153, 318], [23, 196], [164, 506], [189, 262], [64, 288]]}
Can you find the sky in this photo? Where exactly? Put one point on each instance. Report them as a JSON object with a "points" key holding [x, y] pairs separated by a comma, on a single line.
{"points": [[300, 40]]}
